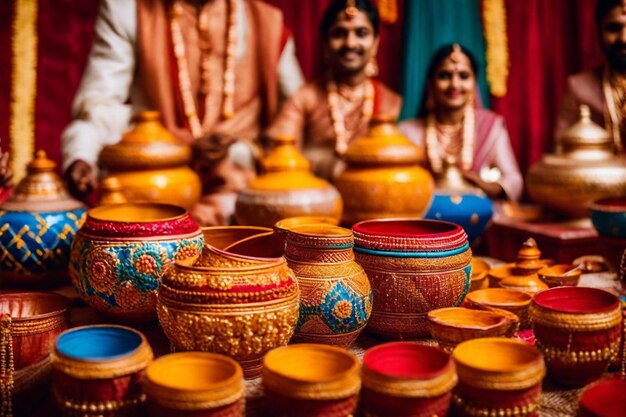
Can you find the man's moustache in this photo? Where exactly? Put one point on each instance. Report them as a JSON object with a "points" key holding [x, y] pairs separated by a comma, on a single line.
{"points": [[345, 51]]}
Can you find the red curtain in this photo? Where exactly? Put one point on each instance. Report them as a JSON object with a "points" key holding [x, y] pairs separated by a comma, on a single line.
{"points": [[303, 17], [548, 40]]}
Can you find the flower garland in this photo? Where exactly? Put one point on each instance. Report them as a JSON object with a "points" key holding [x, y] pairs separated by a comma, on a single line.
{"points": [[23, 86], [494, 22], [342, 135], [184, 81], [434, 148]]}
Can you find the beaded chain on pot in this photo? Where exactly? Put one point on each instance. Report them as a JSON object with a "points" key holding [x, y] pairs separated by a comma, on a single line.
{"points": [[6, 374]]}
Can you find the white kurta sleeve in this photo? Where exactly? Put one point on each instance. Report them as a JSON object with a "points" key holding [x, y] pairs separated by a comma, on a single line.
{"points": [[100, 111], [290, 77]]}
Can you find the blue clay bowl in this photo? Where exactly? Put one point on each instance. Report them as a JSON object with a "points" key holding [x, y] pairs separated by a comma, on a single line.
{"points": [[98, 343], [608, 216], [469, 210]]}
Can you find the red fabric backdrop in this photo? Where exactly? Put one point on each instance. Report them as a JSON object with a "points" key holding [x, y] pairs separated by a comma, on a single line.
{"points": [[548, 40]]}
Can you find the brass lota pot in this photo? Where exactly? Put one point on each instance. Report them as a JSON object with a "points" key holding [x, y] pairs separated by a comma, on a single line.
{"points": [[586, 170], [151, 164]]}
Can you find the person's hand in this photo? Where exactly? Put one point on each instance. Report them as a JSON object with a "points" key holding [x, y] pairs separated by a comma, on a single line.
{"points": [[80, 179], [492, 189], [208, 154], [6, 174]]}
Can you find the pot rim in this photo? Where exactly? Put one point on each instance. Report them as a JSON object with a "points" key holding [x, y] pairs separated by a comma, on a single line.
{"points": [[609, 205], [551, 300], [176, 212], [482, 297], [62, 304]]}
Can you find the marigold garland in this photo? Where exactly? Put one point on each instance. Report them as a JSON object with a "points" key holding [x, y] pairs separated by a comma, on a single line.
{"points": [[388, 11], [494, 23]]}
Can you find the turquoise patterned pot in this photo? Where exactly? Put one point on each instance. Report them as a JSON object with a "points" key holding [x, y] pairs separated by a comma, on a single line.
{"points": [[120, 254], [37, 225]]}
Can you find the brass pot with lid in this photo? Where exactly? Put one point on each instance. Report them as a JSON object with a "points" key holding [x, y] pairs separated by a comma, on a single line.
{"points": [[521, 275], [287, 188], [151, 164], [585, 169], [384, 178]]}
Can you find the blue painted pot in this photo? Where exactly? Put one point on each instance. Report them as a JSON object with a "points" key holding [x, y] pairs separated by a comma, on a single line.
{"points": [[37, 227], [472, 211], [608, 216]]}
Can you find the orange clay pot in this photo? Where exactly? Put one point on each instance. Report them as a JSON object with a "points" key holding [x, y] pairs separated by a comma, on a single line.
{"points": [[194, 384], [325, 382], [151, 164], [453, 325], [522, 275], [286, 189], [383, 178], [497, 377], [516, 302]]}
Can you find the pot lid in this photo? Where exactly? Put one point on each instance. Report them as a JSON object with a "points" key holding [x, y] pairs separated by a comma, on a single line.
{"points": [[585, 135]]}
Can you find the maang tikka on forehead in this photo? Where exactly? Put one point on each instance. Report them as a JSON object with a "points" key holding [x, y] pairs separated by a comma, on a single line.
{"points": [[351, 10], [456, 54], [623, 6]]}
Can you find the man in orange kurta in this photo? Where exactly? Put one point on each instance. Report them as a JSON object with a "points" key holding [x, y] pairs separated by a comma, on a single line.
{"points": [[602, 89], [214, 69], [328, 113]]}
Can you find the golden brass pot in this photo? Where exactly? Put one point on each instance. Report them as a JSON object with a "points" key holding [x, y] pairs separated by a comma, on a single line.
{"points": [[151, 164], [383, 178], [586, 170]]}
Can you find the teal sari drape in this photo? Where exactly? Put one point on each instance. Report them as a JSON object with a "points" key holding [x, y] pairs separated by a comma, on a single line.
{"points": [[429, 24]]}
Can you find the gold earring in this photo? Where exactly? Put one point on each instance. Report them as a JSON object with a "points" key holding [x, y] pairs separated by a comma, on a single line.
{"points": [[371, 69]]}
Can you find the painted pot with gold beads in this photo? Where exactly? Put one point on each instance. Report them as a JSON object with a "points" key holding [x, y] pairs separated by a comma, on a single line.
{"points": [[584, 169], [194, 384], [97, 371], [578, 330], [324, 383], [37, 226], [121, 252], [287, 188], [335, 294], [406, 379], [152, 165], [383, 178], [414, 266], [242, 307], [497, 377]]}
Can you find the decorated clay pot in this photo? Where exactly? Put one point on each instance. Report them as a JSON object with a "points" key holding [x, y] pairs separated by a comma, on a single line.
{"points": [[521, 275], [453, 325], [286, 189], [457, 201], [578, 331], [383, 178], [406, 379], [242, 307], [38, 223], [325, 383], [562, 275], [29, 325], [97, 371], [414, 266], [480, 269], [604, 398], [583, 169], [218, 239], [516, 302], [497, 377], [194, 384], [335, 294], [152, 165], [121, 252]]}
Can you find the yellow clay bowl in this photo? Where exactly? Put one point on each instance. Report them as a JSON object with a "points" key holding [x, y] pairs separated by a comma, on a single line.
{"points": [[453, 325], [496, 363], [514, 301], [480, 269], [554, 275], [312, 371], [193, 381], [285, 225]]}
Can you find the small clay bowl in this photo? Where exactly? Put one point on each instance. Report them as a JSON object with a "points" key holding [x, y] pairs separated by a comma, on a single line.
{"points": [[480, 269], [555, 276], [514, 301]]}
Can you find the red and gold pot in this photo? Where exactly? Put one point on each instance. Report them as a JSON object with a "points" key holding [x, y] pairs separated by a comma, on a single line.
{"points": [[497, 377], [578, 330], [194, 384], [121, 252], [97, 371], [406, 379], [242, 309], [414, 266], [310, 380]]}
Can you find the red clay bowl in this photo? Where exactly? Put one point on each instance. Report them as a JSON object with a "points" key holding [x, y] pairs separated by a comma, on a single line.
{"points": [[578, 331], [604, 398], [407, 379], [36, 320], [608, 216], [408, 235]]}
